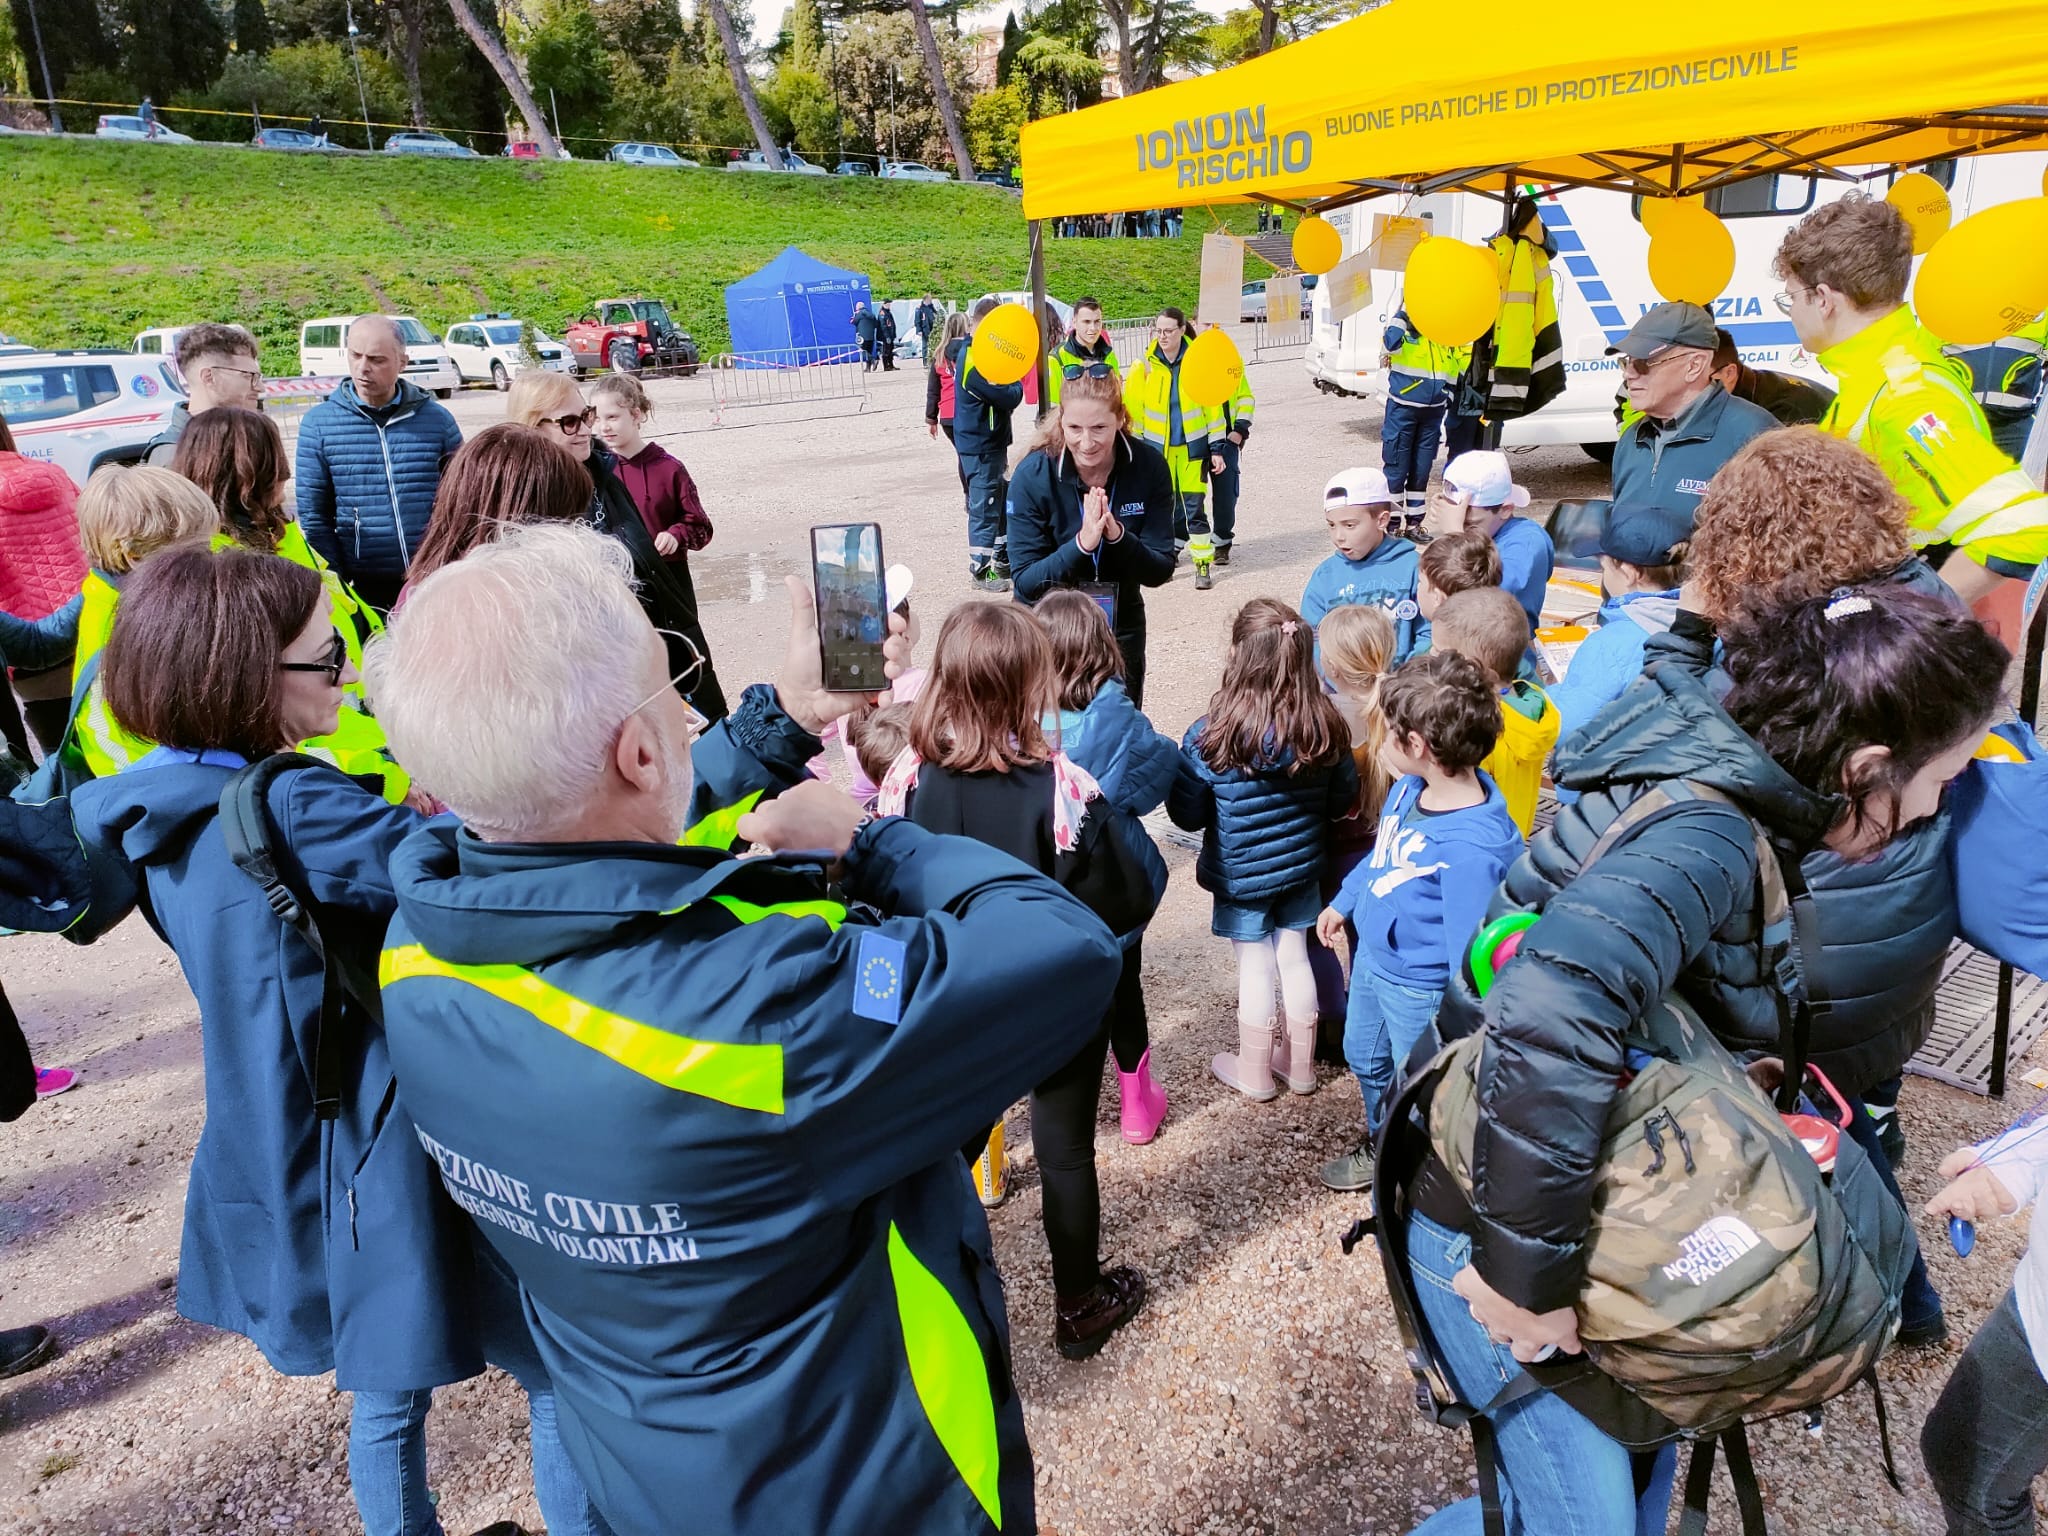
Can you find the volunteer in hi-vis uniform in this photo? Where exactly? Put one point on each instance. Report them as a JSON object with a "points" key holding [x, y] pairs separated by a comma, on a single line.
{"points": [[708, 1114]]}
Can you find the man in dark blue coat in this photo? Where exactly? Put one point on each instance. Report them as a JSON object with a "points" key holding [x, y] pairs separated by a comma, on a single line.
{"points": [[369, 462], [709, 1115]]}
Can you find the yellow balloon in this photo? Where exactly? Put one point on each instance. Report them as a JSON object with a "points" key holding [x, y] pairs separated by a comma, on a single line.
{"points": [[1005, 344], [1654, 209], [1210, 373], [1988, 276], [1924, 204], [1451, 290], [1692, 256], [1317, 245]]}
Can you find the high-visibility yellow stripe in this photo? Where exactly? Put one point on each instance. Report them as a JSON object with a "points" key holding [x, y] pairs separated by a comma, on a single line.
{"points": [[744, 1076], [951, 1377], [831, 913], [721, 829]]}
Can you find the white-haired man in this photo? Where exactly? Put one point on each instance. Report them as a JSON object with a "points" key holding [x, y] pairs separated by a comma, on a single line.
{"points": [[709, 1115]]}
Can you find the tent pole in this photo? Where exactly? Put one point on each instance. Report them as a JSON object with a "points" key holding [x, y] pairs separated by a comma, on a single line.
{"points": [[1037, 232]]}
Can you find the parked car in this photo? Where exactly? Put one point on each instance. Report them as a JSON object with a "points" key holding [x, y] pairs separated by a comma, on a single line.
{"points": [[13, 344], [323, 352], [521, 149], [289, 138], [627, 335], [853, 168], [1252, 298], [160, 341], [129, 127], [1001, 179], [647, 154], [792, 163], [494, 347], [412, 142], [81, 409], [910, 170]]}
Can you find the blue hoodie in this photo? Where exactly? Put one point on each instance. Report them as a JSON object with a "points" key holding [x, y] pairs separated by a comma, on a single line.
{"points": [[1385, 578], [1421, 896], [1611, 658], [711, 1118]]}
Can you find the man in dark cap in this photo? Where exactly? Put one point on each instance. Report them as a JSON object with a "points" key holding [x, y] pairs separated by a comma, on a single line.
{"points": [[1690, 425]]}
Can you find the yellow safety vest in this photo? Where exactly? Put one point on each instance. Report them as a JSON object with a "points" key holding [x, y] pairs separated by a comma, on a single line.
{"points": [[1910, 409], [95, 621], [1056, 368], [1148, 389]]}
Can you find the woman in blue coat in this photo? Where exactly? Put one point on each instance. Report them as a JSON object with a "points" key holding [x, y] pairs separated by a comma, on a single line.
{"points": [[328, 1243]]}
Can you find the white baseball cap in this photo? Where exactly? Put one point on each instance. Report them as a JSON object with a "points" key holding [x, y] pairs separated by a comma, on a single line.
{"points": [[1483, 478], [1361, 487]]}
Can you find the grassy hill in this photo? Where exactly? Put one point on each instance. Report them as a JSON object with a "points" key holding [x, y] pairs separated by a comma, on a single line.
{"points": [[104, 239]]}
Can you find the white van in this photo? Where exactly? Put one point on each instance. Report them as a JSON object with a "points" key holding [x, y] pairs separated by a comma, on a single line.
{"points": [[323, 353], [160, 341], [1602, 281], [81, 409]]}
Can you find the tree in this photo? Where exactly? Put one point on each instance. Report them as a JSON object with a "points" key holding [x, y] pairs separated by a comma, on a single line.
{"points": [[742, 82], [166, 46], [1150, 35], [493, 49], [409, 18], [1006, 55], [72, 39], [806, 38], [252, 27], [942, 95], [566, 60], [994, 120]]}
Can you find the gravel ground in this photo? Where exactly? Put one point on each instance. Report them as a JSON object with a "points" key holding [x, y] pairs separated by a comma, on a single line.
{"points": [[1261, 1390]]}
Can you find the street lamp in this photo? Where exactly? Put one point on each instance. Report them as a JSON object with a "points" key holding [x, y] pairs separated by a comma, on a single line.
{"points": [[362, 96]]}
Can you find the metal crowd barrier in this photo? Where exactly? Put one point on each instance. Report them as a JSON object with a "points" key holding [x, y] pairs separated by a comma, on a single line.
{"points": [[786, 376], [286, 401], [1272, 341]]}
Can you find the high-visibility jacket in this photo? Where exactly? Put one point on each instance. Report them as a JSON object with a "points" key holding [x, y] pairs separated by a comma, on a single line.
{"points": [[1528, 347], [1151, 391], [1910, 408], [747, 1246], [1070, 352], [1236, 415], [1422, 372]]}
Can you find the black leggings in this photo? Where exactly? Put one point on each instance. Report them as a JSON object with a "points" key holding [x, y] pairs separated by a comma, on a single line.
{"points": [[1063, 1140], [1129, 1034]]}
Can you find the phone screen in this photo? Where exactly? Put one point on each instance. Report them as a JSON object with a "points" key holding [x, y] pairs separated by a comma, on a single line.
{"points": [[853, 613]]}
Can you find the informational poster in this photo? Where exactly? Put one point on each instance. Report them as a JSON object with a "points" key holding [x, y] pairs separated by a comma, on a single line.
{"points": [[1222, 279], [1349, 285], [1283, 300], [1394, 238]]}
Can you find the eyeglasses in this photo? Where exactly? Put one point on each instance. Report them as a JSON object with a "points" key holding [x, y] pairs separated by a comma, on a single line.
{"points": [[1086, 370], [1791, 296], [571, 425], [253, 375], [684, 680], [331, 661], [1636, 367]]}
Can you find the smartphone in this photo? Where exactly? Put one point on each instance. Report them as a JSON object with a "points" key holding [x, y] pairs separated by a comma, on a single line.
{"points": [[847, 574]]}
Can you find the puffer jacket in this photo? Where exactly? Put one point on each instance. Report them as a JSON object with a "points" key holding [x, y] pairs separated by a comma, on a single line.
{"points": [[367, 478], [42, 564], [1263, 833], [1673, 905]]}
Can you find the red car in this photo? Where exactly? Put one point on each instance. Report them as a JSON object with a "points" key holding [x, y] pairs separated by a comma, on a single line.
{"points": [[523, 149]]}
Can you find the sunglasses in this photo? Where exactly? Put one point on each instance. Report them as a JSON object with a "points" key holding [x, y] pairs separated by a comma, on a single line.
{"points": [[331, 661], [684, 680], [1636, 367], [580, 421], [1086, 370]]}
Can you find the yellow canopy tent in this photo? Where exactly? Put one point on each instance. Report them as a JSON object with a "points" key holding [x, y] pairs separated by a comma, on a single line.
{"points": [[1429, 95]]}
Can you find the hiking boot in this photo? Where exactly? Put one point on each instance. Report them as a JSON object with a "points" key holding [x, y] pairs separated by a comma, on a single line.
{"points": [[1932, 1329], [1203, 581], [51, 1081], [1223, 554], [1351, 1172], [1085, 1322], [991, 577], [1891, 1137], [23, 1349]]}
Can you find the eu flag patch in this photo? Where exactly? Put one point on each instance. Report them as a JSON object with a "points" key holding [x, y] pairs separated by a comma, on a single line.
{"points": [[878, 978]]}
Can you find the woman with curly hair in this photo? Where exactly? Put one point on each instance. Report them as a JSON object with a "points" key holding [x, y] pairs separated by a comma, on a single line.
{"points": [[1796, 515]]}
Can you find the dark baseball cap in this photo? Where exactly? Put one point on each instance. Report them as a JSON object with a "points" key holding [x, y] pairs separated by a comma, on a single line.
{"points": [[1644, 535], [1668, 325]]}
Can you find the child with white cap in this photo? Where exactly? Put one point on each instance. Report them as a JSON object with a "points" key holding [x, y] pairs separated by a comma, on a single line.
{"points": [[1369, 568], [1481, 484]]}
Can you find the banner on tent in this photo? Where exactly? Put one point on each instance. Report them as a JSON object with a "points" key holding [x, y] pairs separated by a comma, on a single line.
{"points": [[1349, 285]]}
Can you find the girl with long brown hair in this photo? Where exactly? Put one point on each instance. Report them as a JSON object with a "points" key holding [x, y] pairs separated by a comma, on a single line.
{"points": [[504, 475], [237, 458], [981, 765], [1261, 776]]}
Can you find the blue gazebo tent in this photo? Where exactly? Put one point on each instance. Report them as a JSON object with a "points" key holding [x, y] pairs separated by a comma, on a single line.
{"points": [[794, 305]]}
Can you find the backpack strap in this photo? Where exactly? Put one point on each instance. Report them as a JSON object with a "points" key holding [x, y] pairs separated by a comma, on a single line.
{"points": [[251, 841]]}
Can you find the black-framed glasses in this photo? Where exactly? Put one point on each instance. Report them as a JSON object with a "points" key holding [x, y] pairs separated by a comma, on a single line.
{"points": [[684, 680], [581, 421], [1086, 370], [253, 375], [331, 661]]}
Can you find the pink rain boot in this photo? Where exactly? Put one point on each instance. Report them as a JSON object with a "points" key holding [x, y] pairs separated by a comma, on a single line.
{"points": [[1294, 1058], [1250, 1070], [1144, 1101]]}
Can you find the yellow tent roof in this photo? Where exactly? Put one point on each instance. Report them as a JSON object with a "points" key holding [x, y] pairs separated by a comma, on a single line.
{"points": [[1426, 95]]}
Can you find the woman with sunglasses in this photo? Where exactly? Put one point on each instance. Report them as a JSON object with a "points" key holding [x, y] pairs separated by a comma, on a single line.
{"points": [[327, 1243], [554, 404]]}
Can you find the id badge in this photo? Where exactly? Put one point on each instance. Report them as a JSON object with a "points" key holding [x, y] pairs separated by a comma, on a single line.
{"points": [[1104, 593]]}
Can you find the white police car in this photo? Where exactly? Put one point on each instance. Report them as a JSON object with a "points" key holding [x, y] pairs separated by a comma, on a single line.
{"points": [[80, 409], [491, 348]]}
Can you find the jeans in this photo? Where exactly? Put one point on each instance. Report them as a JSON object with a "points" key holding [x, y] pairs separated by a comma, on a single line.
{"points": [[1921, 1302], [1570, 1478], [1408, 442], [986, 488], [1987, 1438], [387, 1463], [1382, 1023], [1226, 484]]}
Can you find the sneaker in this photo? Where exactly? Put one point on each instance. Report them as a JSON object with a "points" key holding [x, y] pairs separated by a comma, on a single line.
{"points": [[992, 579], [1351, 1172], [1203, 580], [1223, 554], [1084, 1324], [1925, 1331], [23, 1349], [51, 1081]]}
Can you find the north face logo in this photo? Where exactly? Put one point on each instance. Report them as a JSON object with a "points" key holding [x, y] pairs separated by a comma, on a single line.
{"points": [[1710, 1248]]}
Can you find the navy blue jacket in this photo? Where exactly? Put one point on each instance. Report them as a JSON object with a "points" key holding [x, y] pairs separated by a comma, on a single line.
{"points": [[1115, 742], [981, 410], [367, 477], [713, 1123], [1263, 833], [1044, 518], [1671, 468], [327, 1245]]}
